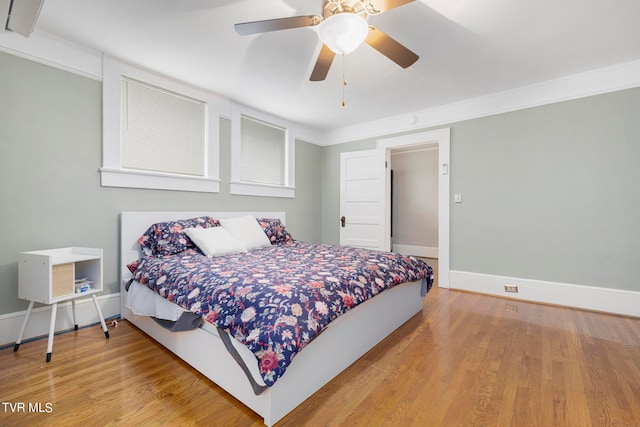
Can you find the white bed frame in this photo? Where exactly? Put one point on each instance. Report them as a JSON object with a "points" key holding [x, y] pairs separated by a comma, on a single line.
{"points": [[324, 358]]}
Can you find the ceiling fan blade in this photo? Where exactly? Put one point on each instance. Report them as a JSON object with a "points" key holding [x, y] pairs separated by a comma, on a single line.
{"points": [[267, 25], [321, 69], [390, 48], [384, 5]]}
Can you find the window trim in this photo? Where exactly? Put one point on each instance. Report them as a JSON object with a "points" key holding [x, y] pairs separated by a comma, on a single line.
{"points": [[112, 174], [239, 187]]}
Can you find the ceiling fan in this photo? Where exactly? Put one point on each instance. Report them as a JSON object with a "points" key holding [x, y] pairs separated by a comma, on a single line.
{"points": [[341, 28]]}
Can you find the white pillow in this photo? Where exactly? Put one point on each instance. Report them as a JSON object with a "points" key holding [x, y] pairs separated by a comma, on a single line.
{"points": [[247, 230], [215, 241]]}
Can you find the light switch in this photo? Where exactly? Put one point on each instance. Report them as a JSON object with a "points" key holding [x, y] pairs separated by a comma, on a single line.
{"points": [[458, 198]]}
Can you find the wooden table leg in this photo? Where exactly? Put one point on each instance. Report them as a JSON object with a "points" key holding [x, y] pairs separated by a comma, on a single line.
{"points": [[24, 325], [52, 327], [104, 325], [75, 318]]}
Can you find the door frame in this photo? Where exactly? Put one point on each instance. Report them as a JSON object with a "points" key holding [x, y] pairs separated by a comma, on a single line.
{"points": [[441, 138]]}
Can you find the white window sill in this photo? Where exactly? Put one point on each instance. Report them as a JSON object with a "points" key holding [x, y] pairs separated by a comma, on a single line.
{"points": [[137, 179], [263, 190]]}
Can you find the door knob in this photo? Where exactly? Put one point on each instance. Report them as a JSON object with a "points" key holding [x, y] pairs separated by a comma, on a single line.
{"points": [[343, 220]]}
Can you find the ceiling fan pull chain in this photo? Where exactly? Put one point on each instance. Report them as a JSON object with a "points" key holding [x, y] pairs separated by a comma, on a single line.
{"points": [[344, 80]]}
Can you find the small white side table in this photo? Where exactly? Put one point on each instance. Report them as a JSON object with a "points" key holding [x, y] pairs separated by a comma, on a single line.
{"points": [[57, 275]]}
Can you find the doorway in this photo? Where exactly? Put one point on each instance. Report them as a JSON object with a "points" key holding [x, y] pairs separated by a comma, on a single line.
{"points": [[440, 140], [414, 200]]}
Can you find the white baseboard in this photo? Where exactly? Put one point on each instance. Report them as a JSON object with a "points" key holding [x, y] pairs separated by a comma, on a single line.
{"points": [[38, 325], [421, 251], [616, 301]]}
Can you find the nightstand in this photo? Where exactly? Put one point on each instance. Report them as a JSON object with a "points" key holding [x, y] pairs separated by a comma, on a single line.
{"points": [[57, 275]]}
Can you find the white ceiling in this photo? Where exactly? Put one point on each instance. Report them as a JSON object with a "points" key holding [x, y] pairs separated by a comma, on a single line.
{"points": [[467, 49]]}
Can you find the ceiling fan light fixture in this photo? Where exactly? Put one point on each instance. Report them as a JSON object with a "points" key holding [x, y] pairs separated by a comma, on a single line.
{"points": [[343, 32]]}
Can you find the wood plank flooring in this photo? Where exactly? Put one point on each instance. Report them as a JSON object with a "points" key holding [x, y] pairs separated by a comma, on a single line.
{"points": [[466, 360]]}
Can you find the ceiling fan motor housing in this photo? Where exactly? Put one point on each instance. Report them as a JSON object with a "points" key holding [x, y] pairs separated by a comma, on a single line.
{"points": [[333, 7]]}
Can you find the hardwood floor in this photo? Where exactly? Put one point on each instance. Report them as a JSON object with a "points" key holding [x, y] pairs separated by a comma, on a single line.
{"points": [[466, 360]]}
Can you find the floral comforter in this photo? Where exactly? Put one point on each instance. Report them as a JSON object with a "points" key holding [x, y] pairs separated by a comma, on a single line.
{"points": [[275, 300]]}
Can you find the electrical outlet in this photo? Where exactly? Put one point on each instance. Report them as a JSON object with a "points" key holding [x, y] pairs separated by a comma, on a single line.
{"points": [[512, 308], [511, 288]]}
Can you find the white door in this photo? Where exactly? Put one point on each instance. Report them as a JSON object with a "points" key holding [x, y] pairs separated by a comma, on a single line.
{"points": [[362, 199]]}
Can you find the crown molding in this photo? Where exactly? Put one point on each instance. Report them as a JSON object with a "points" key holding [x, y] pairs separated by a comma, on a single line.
{"points": [[56, 52], [595, 82], [59, 53]]}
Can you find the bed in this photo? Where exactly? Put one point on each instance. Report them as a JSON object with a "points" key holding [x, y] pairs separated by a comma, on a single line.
{"points": [[302, 370]]}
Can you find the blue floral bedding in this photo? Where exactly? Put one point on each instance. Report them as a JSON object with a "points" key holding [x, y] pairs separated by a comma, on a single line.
{"points": [[275, 300]]}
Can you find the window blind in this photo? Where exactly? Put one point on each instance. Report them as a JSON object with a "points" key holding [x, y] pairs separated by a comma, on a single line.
{"points": [[263, 152], [162, 131]]}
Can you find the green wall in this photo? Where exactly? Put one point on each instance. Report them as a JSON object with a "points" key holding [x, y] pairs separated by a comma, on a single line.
{"points": [[50, 193], [549, 193]]}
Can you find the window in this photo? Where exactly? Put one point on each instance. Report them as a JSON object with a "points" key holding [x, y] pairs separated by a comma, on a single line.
{"points": [[158, 133], [161, 131], [262, 154], [263, 150]]}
